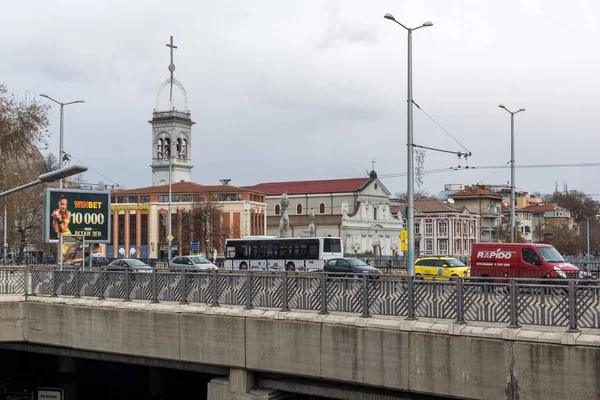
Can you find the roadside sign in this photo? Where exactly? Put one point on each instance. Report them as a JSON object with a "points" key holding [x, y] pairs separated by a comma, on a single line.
{"points": [[170, 237], [6, 245], [50, 394], [403, 240], [194, 245]]}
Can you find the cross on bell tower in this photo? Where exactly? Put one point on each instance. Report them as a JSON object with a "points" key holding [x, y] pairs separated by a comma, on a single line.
{"points": [[171, 134]]}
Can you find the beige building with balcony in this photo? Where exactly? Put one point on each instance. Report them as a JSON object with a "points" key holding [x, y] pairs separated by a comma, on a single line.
{"points": [[485, 203]]}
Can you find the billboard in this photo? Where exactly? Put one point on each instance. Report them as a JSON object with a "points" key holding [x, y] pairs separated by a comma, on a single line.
{"points": [[77, 212]]}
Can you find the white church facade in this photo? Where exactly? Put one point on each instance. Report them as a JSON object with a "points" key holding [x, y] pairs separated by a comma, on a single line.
{"points": [[356, 210]]}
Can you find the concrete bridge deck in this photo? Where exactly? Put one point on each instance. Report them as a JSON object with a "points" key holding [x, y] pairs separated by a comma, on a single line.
{"points": [[480, 361]]}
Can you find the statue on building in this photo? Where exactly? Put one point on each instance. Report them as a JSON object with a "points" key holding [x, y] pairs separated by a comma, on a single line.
{"points": [[311, 225], [284, 223]]}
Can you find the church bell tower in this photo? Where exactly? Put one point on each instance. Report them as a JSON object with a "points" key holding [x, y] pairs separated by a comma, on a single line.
{"points": [[171, 136]]}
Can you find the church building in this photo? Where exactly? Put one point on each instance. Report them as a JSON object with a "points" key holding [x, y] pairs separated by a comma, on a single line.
{"points": [[204, 214], [356, 210]]}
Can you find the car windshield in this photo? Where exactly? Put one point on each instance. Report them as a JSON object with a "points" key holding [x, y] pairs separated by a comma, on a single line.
{"points": [[199, 260], [136, 263], [453, 262], [355, 262], [550, 254]]}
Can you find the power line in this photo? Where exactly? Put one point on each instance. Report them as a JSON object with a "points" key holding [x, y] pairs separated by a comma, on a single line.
{"points": [[441, 127], [95, 170], [481, 167], [508, 162]]}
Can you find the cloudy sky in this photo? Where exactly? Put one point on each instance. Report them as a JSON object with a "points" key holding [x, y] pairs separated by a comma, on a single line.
{"points": [[296, 90]]}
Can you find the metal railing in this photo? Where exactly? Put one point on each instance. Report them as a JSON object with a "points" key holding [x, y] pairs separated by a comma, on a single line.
{"points": [[569, 303]]}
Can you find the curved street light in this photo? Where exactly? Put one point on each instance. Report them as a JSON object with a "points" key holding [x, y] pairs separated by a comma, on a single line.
{"points": [[513, 233], [62, 115], [410, 184]]}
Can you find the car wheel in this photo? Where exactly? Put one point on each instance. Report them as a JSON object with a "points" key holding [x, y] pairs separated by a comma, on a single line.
{"points": [[290, 266], [243, 265]]}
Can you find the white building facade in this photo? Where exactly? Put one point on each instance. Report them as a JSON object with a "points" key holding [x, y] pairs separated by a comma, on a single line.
{"points": [[357, 210], [442, 229]]}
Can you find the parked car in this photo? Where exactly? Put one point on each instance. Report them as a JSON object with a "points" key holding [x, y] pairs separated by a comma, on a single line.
{"points": [[131, 264], [193, 262], [97, 261], [441, 268], [347, 265]]}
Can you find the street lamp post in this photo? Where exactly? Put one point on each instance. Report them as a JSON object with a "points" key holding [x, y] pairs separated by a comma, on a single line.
{"points": [[410, 188], [588, 234], [62, 114], [513, 233]]}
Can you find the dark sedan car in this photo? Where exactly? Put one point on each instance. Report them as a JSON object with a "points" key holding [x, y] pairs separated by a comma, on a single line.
{"points": [[349, 266], [131, 264]]}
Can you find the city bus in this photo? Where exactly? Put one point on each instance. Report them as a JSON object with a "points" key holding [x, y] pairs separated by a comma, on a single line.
{"points": [[279, 254]]}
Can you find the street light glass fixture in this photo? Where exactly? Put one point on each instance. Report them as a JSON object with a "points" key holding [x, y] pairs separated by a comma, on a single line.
{"points": [[49, 177], [410, 188]]}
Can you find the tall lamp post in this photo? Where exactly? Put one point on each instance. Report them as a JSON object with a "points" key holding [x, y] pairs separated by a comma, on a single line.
{"points": [[588, 234], [513, 233], [62, 115], [410, 184]]}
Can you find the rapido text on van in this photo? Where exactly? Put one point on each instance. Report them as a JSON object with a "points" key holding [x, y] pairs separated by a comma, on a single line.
{"points": [[520, 260]]}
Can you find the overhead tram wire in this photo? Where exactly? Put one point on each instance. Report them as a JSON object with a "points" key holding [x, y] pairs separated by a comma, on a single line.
{"points": [[95, 170], [442, 128], [526, 166]]}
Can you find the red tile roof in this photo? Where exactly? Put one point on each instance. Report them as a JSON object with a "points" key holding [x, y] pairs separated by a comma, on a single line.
{"points": [[311, 187], [539, 208], [183, 187], [475, 191]]}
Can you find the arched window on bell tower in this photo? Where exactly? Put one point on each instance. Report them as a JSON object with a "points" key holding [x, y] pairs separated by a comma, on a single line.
{"points": [[159, 149], [178, 148], [167, 152], [183, 148]]}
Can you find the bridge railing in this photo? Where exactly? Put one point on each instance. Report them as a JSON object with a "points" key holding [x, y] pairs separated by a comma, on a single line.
{"points": [[572, 304]]}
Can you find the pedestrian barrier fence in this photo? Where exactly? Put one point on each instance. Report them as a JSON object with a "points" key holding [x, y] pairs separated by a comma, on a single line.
{"points": [[553, 302]]}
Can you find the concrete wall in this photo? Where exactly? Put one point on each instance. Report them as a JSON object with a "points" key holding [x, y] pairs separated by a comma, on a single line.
{"points": [[12, 316], [472, 361]]}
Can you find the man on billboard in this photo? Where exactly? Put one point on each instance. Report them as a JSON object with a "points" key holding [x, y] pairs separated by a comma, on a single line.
{"points": [[62, 217]]}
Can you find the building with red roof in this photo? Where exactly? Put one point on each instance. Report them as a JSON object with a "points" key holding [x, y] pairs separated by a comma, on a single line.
{"points": [[354, 209], [209, 214], [484, 202], [441, 228]]}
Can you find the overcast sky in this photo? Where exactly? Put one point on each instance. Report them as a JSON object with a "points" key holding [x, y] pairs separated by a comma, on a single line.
{"points": [[297, 90]]}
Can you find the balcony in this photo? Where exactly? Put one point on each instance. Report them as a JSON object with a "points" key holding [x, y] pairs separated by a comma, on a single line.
{"points": [[175, 161]]}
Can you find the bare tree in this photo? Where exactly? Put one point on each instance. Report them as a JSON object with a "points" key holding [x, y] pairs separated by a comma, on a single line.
{"points": [[418, 195], [51, 161], [503, 233]]}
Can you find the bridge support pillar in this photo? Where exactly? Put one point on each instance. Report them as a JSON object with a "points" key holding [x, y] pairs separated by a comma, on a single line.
{"points": [[240, 386]]}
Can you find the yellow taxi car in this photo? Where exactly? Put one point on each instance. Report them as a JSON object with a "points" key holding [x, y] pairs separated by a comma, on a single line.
{"points": [[441, 268]]}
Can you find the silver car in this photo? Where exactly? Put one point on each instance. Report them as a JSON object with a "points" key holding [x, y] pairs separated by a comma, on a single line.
{"points": [[196, 263], [131, 264]]}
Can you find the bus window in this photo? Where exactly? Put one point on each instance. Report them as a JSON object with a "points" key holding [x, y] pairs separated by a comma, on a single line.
{"points": [[231, 252], [332, 245], [313, 251]]}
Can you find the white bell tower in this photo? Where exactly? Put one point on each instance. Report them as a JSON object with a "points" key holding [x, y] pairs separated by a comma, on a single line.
{"points": [[171, 136]]}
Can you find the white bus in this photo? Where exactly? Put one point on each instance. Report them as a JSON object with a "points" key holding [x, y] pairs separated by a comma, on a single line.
{"points": [[279, 254]]}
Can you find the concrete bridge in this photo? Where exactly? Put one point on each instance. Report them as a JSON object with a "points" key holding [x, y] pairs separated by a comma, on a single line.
{"points": [[265, 353]]}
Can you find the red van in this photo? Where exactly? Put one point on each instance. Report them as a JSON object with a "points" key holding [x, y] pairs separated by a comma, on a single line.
{"points": [[520, 260]]}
